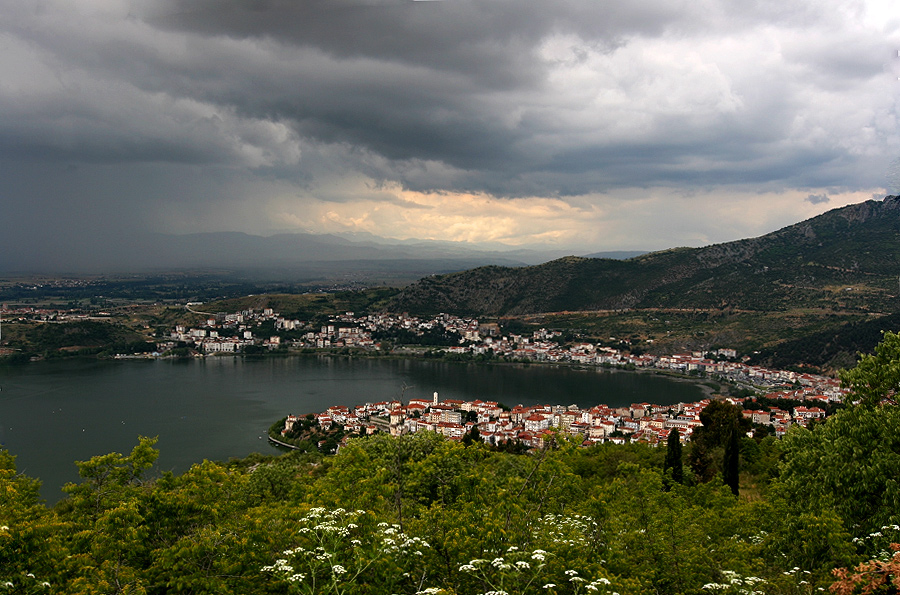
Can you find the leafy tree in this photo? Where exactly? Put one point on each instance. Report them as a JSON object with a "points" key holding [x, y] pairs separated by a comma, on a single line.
{"points": [[28, 532], [472, 436], [673, 463], [718, 419], [876, 377], [675, 541], [731, 462], [795, 538], [848, 465], [109, 479]]}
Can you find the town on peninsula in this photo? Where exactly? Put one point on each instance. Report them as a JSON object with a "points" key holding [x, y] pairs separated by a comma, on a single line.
{"points": [[790, 397]]}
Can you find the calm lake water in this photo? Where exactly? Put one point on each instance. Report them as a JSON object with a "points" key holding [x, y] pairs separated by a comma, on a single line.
{"points": [[54, 413]]}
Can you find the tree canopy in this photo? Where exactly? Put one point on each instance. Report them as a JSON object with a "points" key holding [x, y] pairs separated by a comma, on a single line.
{"points": [[876, 377]]}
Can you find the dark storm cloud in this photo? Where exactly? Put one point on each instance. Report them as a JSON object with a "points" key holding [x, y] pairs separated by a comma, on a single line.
{"points": [[437, 81], [198, 109], [412, 81], [434, 81], [487, 42]]}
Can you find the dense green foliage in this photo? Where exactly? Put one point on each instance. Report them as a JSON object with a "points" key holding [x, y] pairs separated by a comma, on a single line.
{"points": [[848, 465], [876, 378], [402, 515], [674, 464]]}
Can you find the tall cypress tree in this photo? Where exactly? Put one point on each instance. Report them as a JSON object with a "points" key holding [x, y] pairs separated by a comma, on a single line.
{"points": [[731, 461], [673, 456]]}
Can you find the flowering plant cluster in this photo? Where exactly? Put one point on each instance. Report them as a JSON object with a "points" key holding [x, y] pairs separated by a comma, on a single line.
{"points": [[878, 543], [574, 530], [337, 547], [737, 584], [513, 571], [516, 572]]}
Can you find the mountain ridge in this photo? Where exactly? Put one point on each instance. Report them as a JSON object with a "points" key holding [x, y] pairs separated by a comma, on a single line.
{"points": [[819, 262]]}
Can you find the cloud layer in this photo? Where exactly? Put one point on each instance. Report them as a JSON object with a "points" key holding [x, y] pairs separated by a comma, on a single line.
{"points": [[586, 123]]}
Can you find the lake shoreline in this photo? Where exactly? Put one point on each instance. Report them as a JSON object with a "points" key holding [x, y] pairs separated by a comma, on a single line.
{"points": [[213, 408]]}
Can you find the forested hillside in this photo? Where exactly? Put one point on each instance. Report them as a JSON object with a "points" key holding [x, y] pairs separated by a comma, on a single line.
{"points": [[421, 514]]}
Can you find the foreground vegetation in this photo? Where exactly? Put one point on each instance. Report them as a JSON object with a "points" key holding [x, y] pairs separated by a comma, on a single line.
{"points": [[420, 514]]}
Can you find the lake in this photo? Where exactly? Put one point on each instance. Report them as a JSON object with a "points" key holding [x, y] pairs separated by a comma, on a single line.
{"points": [[54, 413]]}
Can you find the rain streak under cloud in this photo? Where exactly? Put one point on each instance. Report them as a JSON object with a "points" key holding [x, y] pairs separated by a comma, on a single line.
{"points": [[582, 124]]}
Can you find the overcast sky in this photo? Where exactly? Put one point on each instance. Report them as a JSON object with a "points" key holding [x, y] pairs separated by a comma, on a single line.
{"points": [[591, 124]]}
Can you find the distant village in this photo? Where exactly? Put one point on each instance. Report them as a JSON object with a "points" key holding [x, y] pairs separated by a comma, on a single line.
{"points": [[262, 330], [532, 426], [233, 333]]}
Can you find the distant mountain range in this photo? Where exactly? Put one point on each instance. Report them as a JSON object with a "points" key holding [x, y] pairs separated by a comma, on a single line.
{"points": [[845, 259], [283, 257]]}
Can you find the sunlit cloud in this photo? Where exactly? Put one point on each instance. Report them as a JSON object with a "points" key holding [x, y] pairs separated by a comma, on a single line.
{"points": [[648, 219]]}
